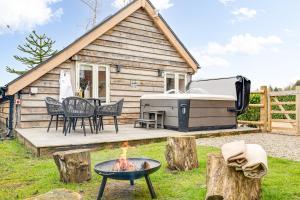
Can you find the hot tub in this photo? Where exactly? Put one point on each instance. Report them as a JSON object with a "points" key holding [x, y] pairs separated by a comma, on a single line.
{"points": [[192, 112], [212, 104]]}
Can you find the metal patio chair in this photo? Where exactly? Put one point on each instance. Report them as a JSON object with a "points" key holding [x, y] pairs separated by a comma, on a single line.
{"points": [[77, 108], [54, 108], [113, 110]]}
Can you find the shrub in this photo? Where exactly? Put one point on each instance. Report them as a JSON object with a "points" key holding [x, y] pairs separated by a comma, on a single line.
{"points": [[252, 114]]}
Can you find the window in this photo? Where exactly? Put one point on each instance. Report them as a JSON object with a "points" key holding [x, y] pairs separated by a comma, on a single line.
{"points": [[181, 82], [92, 81], [170, 82], [175, 81]]}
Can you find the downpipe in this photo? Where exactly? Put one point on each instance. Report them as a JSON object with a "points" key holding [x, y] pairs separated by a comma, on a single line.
{"points": [[10, 132]]}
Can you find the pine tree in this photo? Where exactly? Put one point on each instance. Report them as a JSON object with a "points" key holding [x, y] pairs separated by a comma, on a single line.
{"points": [[37, 48]]}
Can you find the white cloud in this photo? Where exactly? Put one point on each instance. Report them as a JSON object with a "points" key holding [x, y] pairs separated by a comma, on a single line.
{"points": [[16, 15], [207, 60], [244, 43], [287, 30], [215, 54], [242, 14], [226, 2], [162, 4], [159, 4], [120, 3]]}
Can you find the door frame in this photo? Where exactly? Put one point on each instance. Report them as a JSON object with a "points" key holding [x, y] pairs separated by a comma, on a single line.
{"points": [[95, 69]]}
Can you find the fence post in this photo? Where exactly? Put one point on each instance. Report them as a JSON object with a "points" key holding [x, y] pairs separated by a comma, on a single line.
{"points": [[298, 110], [264, 109], [269, 111]]}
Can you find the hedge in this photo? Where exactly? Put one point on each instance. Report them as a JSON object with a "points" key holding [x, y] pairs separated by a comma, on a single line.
{"points": [[253, 114]]}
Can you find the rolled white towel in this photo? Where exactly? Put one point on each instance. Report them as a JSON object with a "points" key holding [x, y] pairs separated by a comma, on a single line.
{"points": [[234, 154], [257, 165]]}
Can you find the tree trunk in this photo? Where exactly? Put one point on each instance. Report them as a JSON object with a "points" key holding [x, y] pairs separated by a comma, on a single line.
{"points": [[181, 153], [226, 183], [74, 166]]}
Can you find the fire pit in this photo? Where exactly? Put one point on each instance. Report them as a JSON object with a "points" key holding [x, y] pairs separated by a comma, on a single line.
{"points": [[127, 169]]}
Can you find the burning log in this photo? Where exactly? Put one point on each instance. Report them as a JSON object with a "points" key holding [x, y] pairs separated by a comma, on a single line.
{"points": [[146, 166], [123, 164]]}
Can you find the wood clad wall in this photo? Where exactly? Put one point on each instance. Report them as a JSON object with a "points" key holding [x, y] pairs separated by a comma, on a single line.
{"points": [[136, 44], [33, 112], [4, 112], [141, 48]]}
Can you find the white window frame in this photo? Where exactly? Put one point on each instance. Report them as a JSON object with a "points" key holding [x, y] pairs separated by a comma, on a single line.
{"points": [[176, 77], [95, 69]]}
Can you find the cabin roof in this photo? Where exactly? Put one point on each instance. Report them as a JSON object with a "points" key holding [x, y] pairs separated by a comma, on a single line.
{"points": [[69, 51]]}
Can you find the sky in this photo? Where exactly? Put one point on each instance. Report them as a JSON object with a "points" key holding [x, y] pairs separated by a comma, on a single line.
{"points": [[258, 39]]}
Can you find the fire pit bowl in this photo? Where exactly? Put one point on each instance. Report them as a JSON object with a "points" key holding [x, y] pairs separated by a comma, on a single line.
{"points": [[105, 169]]}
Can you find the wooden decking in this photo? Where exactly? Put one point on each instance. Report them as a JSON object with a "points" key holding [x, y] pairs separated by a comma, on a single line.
{"points": [[41, 143]]}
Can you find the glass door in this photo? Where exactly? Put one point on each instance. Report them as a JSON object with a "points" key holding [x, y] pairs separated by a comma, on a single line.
{"points": [[102, 83], [86, 81], [93, 81]]}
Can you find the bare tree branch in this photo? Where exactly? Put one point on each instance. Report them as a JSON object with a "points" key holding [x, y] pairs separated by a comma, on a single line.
{"points": [[93, 6]]}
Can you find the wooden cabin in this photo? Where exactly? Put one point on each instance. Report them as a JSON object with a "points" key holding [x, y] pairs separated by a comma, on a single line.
{"points": [[131, 53]]}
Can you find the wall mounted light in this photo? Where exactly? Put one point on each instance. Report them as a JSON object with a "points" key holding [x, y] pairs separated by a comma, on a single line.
{"points": [[118, 68]]}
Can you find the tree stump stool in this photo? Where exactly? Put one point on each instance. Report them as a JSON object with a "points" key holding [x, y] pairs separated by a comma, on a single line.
{"points": [[181, 153], [226, 183], [74, 166]]}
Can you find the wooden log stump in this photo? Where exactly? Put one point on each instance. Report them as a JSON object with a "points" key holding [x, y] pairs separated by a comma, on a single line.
{"points": [[74, 166], [226, 183], [181, 153]]}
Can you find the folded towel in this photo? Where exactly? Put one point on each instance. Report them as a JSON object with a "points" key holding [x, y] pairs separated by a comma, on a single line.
{"points": [[257, 165], [234, 153]]}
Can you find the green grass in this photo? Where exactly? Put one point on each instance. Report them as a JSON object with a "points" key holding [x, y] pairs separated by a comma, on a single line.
{"points": [[23, 176]]}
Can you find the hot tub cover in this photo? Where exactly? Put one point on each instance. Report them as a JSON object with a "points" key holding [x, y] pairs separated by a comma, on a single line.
{"points": [[190, 96]]}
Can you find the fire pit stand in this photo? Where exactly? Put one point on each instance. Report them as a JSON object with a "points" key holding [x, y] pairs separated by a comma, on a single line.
{"points": [[105, 170]]}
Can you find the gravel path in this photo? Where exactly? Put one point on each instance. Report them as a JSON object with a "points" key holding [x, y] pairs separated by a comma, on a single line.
{"points": [[281, 146]]}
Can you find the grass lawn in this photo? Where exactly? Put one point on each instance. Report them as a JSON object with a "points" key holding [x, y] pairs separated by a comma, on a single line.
{"points": [[23, 176]]}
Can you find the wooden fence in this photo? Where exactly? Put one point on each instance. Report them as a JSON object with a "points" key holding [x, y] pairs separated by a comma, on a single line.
{"points": [[270, 100]]}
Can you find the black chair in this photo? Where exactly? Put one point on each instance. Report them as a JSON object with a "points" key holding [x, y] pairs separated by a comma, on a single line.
{"points": [[77, 108], [113, 110], [54, 108]]}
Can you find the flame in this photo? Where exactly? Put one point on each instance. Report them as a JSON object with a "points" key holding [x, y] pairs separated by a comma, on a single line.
{"points": [[123, 164], [124, 151]]}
